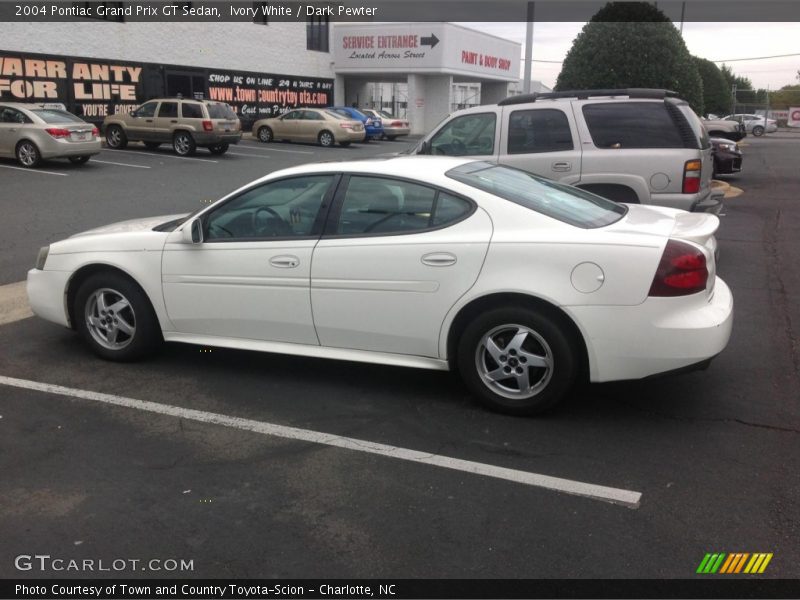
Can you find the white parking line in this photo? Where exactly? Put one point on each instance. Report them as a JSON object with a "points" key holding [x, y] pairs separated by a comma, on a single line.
{"points": [[14, 303], [162, 155], [108, 162], [271, 149], [34, 171], [248, 155], [577, 488]]}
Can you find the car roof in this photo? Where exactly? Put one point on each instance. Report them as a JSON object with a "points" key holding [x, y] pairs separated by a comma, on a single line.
{"points": [[405, 166]]}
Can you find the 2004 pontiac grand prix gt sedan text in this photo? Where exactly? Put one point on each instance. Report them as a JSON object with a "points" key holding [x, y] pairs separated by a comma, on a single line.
{"points": [[522, 285]]}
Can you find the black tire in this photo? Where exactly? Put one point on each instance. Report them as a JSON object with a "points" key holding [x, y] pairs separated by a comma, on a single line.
{"points": [[265, 135], [546, 340], [183, 143], [326, 139], [391, 138], [219, 148], [79, 160], [758, 131], [138, 312], [152, 145], [344, 144], [116, 138], [28, 154]]}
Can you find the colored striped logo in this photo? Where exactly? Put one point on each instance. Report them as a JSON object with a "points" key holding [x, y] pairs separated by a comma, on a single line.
{"points": [[735, 562]]}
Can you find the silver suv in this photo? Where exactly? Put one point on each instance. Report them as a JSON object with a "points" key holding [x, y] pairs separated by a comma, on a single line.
{"points": [[184, 123], [637, 145]]}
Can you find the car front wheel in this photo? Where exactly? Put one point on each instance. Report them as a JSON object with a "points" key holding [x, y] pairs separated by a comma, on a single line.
{"points": [[518, 361], [28, 154], [116, 138], [183, 144], [115, 317]]}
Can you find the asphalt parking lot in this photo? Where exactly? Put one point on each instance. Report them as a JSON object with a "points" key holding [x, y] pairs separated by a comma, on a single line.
{"points": [[713, 454]]}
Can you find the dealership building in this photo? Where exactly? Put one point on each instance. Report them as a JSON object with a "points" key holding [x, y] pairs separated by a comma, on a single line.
{"points": [[262, 68]]}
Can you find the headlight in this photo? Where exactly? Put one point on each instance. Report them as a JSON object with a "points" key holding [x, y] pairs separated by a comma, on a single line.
{"points": [[729, 147], [42, 257]]}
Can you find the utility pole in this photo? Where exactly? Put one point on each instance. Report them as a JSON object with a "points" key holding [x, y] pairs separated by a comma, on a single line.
{"points": [[526, 84]]}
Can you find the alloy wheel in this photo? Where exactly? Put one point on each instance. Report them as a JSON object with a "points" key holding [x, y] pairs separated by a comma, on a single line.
{"points": [[110, 319]]}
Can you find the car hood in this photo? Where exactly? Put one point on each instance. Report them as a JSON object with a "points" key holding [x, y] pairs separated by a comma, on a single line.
{"points": [[128, 226]]}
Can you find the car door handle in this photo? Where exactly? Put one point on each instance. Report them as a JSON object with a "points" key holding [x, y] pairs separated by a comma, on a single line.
{"points": [[439, 259], [174, 121], [148, 120], [285, 261], [561, 166]]}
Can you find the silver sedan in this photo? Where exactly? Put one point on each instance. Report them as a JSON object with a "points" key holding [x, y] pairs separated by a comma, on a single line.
{"points": [[32, 133]]}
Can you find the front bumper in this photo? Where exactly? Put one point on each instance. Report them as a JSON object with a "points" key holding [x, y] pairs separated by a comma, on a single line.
{"points": [[728, 162], [657, 336], [47, 295]]}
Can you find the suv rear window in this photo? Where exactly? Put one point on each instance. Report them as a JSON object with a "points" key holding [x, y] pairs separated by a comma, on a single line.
{"points": [[632, 125], [556, 200], [190, 110], [220, 111]]}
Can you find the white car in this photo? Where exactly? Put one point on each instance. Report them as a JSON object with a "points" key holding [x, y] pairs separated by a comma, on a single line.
{"points": [[755, 124], [521, 284]]}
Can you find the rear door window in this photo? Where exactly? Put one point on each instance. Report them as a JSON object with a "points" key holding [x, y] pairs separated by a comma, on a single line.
{"points": [[632, 125], [168, 109], [191, 110], [541, 130]]}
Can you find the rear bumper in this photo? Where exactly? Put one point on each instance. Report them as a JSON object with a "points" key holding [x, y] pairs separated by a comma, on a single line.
{"points": [[348, 135], [209, 138], [658, 336], [64, 149], [396, 131]]}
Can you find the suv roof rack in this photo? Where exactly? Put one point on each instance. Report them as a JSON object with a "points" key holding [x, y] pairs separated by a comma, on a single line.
{"points": [[650, 93]]}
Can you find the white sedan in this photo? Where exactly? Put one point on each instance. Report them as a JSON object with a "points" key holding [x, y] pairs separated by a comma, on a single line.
{"points": [[521, 284]]}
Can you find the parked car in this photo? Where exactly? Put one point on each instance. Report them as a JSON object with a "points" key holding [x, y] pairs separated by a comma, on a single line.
{"points": [[755, 124], [392, 127], [32, 133], [727, 156], [310, 125], [521, 284], [186, 124], [373, 126], [637, 146], [720, 128]]}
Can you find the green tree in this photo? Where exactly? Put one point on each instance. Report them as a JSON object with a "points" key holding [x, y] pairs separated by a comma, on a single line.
{"points": [[745, 94], [631, 44], [716, 91]]}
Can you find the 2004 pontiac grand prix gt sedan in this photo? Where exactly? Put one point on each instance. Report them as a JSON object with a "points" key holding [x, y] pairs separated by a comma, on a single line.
{"points": [[522, 285]]}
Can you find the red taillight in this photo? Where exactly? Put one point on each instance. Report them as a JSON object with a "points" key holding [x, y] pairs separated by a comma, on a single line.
{"points": [[682, 271], [95, 132], [691, 176], [208, 126], [396, 124], [57, 132], [346, 125]]}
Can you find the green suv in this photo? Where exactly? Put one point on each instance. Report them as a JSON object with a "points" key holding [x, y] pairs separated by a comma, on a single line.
{"points": [[184, 123]]}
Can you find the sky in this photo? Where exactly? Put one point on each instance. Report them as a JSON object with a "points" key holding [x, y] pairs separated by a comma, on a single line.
{"points": [[712, 41]]}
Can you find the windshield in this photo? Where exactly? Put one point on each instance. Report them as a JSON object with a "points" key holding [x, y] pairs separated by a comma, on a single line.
{"points": [[556, 200], [56, 116]]}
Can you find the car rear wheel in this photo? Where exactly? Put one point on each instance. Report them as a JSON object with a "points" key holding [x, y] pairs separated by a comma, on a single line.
{"points": [[758, 131], [115, 317], [116, 138], [326, 139], [391, 138], [219, 148], [344, 144], [152, 145], [517, 361], [183, 144], [28, 154], [265, 135], [79, 160]]}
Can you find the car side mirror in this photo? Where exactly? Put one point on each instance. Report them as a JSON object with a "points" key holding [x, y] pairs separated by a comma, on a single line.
{"points": [[193, 232], [424, 148], [133, 114]]}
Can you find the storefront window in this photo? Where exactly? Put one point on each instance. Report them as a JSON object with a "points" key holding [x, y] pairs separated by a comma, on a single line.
{"points": [[317, 34]]}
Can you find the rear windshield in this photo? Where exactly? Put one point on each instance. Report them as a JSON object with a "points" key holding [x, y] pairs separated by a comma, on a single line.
{"points": [[632, 125], [556, 200], [337, 115], [55, 116], [220, 111]]}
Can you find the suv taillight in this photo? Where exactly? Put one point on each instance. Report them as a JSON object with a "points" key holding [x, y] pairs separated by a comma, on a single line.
{"points": [[691, 176], [208, 126], [682, 271]]}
